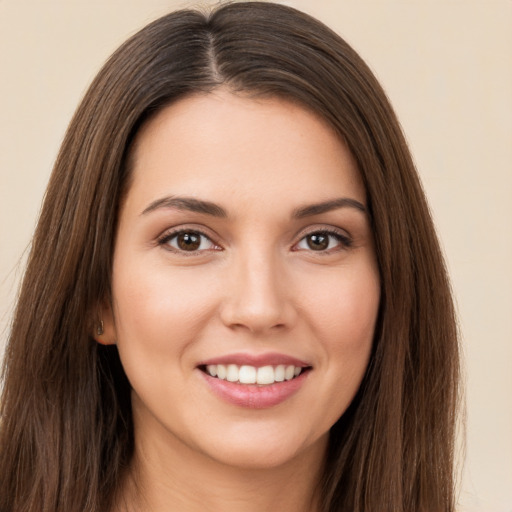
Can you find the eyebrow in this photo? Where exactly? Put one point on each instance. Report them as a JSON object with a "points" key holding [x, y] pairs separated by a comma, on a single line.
{"points": [[199, 206], [327, 206], [187, 204]]}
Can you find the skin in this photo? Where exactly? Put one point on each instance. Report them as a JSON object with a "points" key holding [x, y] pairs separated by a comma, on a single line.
{"points": [[254, 285]]}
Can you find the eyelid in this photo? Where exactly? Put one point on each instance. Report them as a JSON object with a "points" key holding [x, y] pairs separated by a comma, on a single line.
{"points": [[342, 235], [163, 239], [345, 239]]}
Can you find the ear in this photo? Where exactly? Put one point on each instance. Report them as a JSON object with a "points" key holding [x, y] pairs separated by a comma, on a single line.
{"points": [[104, 326]]}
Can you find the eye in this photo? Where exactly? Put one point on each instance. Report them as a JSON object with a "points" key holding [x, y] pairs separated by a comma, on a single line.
{"points": [[324, 241], [187, 241]]}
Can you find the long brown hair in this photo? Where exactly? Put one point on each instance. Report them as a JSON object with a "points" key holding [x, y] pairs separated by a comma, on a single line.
{"points": [[66, 431]]}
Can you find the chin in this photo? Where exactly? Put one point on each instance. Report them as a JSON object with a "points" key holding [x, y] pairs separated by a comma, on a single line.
{"points": [[267, 451]]}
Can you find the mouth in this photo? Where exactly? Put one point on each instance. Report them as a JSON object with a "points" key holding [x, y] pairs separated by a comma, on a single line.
{"points": [[260, 375], [255, 381]]}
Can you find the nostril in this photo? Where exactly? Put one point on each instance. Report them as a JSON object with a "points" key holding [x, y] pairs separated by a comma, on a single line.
{"points": [[257, 302]]}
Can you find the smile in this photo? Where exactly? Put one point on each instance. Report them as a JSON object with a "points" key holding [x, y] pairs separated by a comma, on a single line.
{"points": [[246, 374], [255, 382]]}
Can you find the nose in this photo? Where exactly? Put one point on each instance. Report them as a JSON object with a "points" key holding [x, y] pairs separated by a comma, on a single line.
{"points": [[258, 297]]}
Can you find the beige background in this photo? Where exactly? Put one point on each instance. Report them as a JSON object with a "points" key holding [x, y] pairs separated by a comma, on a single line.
{"points": [[447, 67]]}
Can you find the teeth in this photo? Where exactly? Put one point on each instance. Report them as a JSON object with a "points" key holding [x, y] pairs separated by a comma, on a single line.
{"points": [[246, 374], [265, 375], [232, 373], [279, 373], [221, 372]]}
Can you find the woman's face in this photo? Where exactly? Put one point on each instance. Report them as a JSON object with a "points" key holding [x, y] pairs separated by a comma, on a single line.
{"points": [[244, 256]]}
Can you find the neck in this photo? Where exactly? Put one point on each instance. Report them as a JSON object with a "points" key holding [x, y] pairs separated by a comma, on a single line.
{"points": [[167, 475]]}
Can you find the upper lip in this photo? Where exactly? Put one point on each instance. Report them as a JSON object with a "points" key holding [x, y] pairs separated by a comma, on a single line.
{"points": [[257, 360]]}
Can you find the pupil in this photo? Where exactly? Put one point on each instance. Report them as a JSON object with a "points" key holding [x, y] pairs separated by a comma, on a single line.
{"points": [[189, 241], [318, 242]]}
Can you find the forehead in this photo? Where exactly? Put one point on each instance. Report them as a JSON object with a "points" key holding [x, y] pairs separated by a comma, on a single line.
{"points": [[220, 143]]}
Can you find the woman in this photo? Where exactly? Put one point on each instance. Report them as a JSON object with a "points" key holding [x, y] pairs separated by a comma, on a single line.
{"points": [[235, 297]]}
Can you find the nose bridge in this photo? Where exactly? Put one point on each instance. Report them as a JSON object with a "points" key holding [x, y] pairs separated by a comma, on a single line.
{"points": [[257, 298]]}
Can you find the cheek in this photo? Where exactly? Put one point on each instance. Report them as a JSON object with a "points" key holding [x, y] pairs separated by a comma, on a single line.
{"points": [[344, 308], [344, 318], [343, 314], [159, 313], [154, 307]]}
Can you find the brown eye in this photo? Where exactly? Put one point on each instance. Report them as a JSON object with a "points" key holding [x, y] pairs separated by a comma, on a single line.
{"points": [[324, 241], [318, 241], [188, 241]]}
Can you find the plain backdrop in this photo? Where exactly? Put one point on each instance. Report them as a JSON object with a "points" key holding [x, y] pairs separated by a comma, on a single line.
{"points": [[447, 68]]}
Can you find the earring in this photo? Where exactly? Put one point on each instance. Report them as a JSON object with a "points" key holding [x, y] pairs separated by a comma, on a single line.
{"points": [[99, 328]]}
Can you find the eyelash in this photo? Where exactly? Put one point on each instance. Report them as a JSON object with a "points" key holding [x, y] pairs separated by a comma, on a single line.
{"points": [[167, 237], [343, 241]]}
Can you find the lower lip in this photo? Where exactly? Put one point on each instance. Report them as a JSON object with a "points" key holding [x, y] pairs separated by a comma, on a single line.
{"points": [[252, 396]]}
